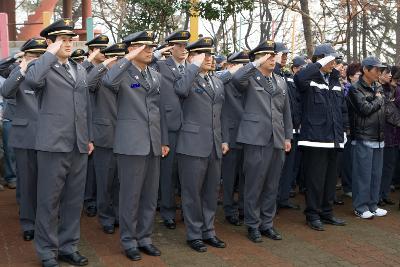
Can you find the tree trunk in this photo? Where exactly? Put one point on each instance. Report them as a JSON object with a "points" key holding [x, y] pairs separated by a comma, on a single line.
{"points": [[307, 27], [398, 34], [354, 34], [364, 34]]}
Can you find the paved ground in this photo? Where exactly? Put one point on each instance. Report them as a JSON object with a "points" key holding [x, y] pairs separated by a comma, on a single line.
{"points": [[360, 243]]}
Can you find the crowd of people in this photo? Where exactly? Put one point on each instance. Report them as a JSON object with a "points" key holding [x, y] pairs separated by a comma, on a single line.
{"points": [[122, 129]]}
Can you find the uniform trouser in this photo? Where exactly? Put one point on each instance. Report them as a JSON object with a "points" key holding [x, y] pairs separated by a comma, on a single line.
{"points": [[9, 156], [367, 172], [391, 156], [320, 169], [139, 179], [105, 165], [169, 180], [90, 186], [347, 166], [232, 168], [60, 192], [289, 174], [262, 168], [200, 177], [27, 182]]}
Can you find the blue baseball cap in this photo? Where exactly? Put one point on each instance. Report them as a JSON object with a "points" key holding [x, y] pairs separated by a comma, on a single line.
{"points": [[372, 61], [325, 50]]}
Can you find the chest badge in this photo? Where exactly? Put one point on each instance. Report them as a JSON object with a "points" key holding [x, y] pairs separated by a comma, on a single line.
{"points": [[137, 77], [135, 85], [258, 78]]}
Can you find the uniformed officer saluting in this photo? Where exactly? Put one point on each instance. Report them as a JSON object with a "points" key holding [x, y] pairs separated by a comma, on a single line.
{"points": [[62, 143], [23, 132], [199, 145], [104, 120], [141, 137], [171, 70], [78, 55], [265, 131]]}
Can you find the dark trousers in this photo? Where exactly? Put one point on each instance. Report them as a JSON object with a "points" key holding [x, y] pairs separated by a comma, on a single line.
{"points": [[262, 168], [139, 179], [200, 179], [232, 171], [60, 192], [289, 173], [9, 156], [347, 167], [320, 168], [169, 180], [105, 165], [391, 156], [367, 173], [27, 183], [90, 187]]}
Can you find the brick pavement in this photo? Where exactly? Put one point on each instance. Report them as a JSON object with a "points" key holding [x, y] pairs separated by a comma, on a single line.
{"points": [[360, 243]]}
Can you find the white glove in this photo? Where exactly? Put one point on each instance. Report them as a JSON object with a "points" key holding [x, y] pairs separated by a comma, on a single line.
{"points": [[326, 60]]}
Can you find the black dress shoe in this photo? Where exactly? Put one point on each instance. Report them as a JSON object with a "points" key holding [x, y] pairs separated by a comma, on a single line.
{"points": [[334, 221], [75, 259], [29, 235], [109, 229], [292, 193], [388, 201], [150, 250], [234, 220], [170, 224], [289, 205], [241, 216], [338, 202], [197, 244], [50, 263], [316, 225], [215, 242], [271, 233], [133, 254], [91, 211], [254, 235]]}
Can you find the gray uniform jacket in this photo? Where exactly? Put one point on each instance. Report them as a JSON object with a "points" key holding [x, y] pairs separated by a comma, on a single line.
{"points": [[169, 100], [23, 130], [201, 127], [139, 121], [266, 112], [104, 110], [64, 118]]}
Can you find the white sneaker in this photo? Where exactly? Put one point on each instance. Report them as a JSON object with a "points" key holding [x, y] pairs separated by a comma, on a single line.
{"points": [[365, 215], [380, 212]]}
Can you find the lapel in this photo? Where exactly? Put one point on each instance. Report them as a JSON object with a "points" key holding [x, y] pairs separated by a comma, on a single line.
{"points": [[260, 79], [63, 72], [78, 71], [276, 84], [172, 66], [203, 84], [135, 74]]}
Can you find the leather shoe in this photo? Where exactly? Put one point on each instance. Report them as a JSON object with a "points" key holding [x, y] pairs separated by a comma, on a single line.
{"points": [[91, 211], [316, 225], [29, 235], [234, 220], [338, 202], [50, 263], [254, 235], [388, 201], [151, 250], [109, 229], [197, 244], [170, 224], [289, 205], [133, 254], [271, 233], [12, 185], [75, 259], [215, 242], [333, 221]]}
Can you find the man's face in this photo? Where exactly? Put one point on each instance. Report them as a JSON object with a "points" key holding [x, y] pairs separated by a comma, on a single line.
{"points": [[284, 59], [269, 65], [30, 56], [207, 63], [385, 77], [100, 56], [329, 67], [145, 56], [179, 52], [373, 74], [66, 46]]}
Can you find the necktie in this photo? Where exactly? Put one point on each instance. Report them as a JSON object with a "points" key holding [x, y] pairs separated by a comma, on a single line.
{"points": [[212, 92], [181, 69], [145, 76], [270, 84], [67, 68]]}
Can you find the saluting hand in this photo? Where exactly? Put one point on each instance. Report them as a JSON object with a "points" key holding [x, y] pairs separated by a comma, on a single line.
{"points": [[90, 148], [133, 53], [24, 63], [109, 60], [198, 59], [288, 145], [225, 148], [165, 49], [94, 53], [263, 59], [54, 47], [164, 151], [234, 68]]}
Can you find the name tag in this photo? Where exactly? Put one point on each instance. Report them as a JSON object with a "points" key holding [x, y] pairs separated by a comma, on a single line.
{"points": [[135, 85], [29, 92], [259, 88]]}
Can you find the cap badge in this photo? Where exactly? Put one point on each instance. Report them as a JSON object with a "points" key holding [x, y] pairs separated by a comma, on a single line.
{"points": [[67, 22]]}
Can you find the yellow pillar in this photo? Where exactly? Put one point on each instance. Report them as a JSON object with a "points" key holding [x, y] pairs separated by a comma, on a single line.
{"points": [[194, 23], [47, 18]]}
